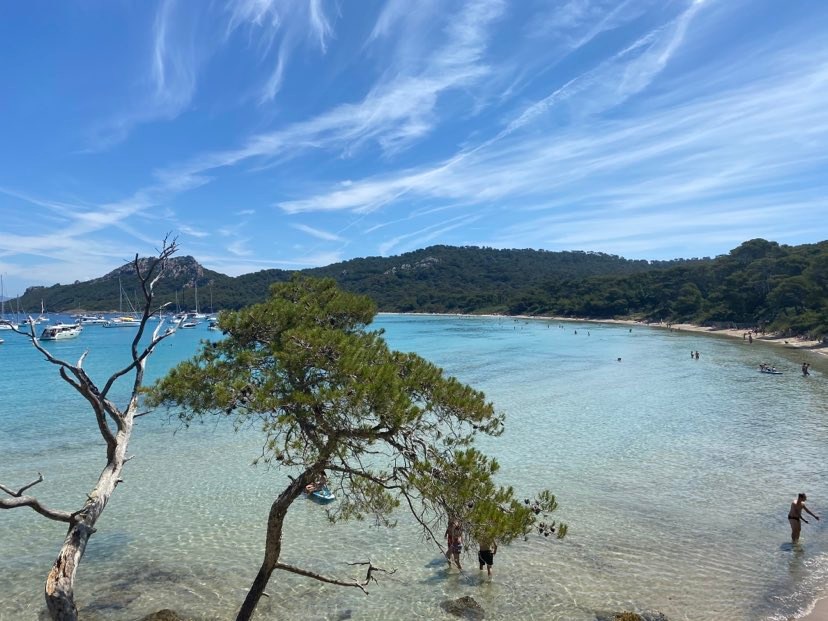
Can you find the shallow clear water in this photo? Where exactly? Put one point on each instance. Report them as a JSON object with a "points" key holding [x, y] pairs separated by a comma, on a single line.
{"points": [[674, 474]]}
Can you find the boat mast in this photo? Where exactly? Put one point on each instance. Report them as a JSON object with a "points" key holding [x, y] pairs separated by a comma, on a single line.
{"points": [[196, 296]]}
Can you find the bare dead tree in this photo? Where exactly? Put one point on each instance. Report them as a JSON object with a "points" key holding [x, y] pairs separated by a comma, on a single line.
{"points": [[115, 425]]}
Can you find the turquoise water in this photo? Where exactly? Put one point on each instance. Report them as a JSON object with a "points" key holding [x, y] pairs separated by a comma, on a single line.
{"points": [[674, 475]]}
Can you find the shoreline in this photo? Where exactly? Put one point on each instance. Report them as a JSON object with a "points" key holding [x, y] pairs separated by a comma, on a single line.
{"points": [[817, 347], [818, 613]]}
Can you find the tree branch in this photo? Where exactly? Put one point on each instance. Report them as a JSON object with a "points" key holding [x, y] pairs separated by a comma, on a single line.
{"points": [[34, 503], [19, 500], [19, 492], [355, 583]]}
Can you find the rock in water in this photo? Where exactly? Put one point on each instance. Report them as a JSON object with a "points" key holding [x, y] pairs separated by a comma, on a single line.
{"points": [[465, 608], [652, 615], [164, 615]]}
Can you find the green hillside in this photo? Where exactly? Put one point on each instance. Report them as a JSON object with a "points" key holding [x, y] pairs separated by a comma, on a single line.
{"points": [[759, 283]]}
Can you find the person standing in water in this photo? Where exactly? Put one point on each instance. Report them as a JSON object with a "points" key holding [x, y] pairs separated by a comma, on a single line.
{"points": [[795, 516], [454, 542], [486, 554]]}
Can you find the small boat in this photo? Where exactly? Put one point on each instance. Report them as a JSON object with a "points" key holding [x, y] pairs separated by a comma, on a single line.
{"points": [[92, 320], [61, 331], [188, 324], [123, 322], [323, 495]]}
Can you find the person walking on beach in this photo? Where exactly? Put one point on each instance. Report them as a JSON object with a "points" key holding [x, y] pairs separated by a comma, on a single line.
{"points": [[454, 542], [486, 554], [795, 516]]}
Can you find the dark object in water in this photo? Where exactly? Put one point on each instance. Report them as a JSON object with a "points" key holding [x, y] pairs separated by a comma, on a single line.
{"points": [[464, 607]]}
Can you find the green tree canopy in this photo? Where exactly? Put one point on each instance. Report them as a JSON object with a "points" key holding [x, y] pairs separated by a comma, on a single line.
{"points": [[389, 427]]}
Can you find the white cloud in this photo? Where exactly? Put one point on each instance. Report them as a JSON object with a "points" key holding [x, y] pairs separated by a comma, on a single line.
{"points": [[171, 77], [291, 23], [420, 238], [318, 233]]}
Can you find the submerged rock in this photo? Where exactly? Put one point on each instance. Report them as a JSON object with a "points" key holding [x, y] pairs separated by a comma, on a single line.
{"points": [[650, 615], [164, 615], [465, 608]]}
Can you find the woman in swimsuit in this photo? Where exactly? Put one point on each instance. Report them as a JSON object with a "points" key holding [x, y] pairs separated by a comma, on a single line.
{"points": [[795, 516], [454, 541]]}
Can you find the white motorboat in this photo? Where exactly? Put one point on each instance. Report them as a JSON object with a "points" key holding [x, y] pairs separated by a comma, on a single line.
{"points": [[125, 321], [92, 320], [61, 331]]}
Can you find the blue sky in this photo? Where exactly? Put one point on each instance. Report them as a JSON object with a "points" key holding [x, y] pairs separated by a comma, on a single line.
{"points": [[292, 133]]}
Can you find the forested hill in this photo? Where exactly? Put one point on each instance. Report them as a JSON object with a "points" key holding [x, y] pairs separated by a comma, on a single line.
{"points": [[468, 279], [760, 282]]}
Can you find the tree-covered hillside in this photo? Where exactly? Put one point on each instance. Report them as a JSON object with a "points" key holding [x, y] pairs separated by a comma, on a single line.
{"points": [[759, 283]]}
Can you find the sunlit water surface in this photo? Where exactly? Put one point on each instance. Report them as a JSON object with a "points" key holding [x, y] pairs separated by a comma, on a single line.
{"points": [[674, 475]]}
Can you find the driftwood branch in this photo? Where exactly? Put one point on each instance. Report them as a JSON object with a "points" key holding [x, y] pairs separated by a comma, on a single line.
{"points": [[369, 575], [148, 281], [19, 500], [352, 583], [19, 492]]}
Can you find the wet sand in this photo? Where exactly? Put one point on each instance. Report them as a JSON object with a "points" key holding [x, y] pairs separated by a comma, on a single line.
{"points": [[819, 613]]}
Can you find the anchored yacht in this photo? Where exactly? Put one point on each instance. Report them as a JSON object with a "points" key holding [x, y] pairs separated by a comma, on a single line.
{"points": [[61, 331]]}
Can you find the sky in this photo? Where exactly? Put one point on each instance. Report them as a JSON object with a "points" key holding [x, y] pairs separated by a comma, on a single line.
{"points": [[298, 133]]}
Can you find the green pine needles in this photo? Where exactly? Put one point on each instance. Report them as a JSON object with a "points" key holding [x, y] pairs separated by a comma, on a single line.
{"points": [[388, 428]]}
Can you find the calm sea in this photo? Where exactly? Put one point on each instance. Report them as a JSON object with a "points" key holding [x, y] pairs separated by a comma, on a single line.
{"points": [[674, 475]]}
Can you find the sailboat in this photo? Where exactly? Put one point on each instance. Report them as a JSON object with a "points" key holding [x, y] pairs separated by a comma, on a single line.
{"points": [[42, 318], [5, 324], [197, 314], [123, 321]]}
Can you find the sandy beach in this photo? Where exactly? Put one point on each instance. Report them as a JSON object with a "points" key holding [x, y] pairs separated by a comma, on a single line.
{"points": [[817, 347], [819, 613]]}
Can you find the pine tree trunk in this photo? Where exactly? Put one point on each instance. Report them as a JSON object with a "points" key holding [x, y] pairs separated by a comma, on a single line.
{"points": [[273, 543], [255, 593]]}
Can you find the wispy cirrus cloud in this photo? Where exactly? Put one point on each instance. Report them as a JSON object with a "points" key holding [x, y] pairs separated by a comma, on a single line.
{"points": [[169, 84], [395, 112], [423, 236], [686, 148], [317, 233], [292, 24]]}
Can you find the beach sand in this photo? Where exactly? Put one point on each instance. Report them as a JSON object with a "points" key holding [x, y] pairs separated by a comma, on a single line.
{"points": [[819, 613], [817, 347], [790, 342]]}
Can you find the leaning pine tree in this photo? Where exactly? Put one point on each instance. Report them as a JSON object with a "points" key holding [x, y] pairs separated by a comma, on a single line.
{"points": [[329, 394]]}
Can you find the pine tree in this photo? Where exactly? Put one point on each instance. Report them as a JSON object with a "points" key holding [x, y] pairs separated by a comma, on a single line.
{"points": [[388, 427]]}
